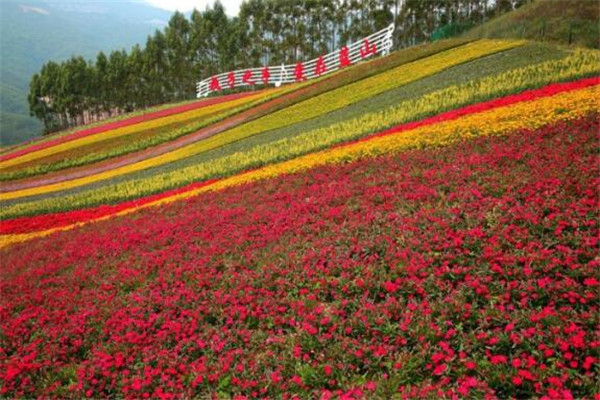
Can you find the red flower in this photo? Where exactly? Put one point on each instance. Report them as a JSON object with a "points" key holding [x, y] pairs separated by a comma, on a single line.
{"points": [[498, 359], [440, 369], [517, 380]]}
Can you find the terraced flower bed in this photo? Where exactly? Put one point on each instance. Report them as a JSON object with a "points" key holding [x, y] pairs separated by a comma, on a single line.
{"points": [[123, 140], [404, 104], [301, 92], [530, 109], [575, 65], [463, 271], [303, 110], [116, 122]]}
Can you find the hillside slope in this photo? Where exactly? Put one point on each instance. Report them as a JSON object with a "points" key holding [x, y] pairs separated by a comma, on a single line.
{"points": [[568, 22], [399, 274], [422, 225], [66, 176]]}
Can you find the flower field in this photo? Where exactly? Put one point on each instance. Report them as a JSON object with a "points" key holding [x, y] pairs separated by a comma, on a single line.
{"points": [[511, 81], [132, 137], [120, 122], [501, 116], [467, 270], [423, 225]]}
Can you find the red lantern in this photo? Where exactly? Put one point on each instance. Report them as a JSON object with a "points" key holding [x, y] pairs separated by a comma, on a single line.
{"points": [[247, 78], [320, 68], [344, 57], [299, 72], [266, 75], [215, 86]]}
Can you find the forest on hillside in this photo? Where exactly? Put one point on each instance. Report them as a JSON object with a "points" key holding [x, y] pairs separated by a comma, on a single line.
{"points": [[266, 32]]}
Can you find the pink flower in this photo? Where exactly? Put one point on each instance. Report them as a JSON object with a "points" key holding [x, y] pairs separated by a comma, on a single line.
{"points": [[591, 282], [517, 380], [390, 287], [470, 365], [498, 359], [440, 369], [526, 374], [370, 386]]}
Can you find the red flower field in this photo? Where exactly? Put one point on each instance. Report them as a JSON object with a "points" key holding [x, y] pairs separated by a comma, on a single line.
{"points": [[465, 271]]}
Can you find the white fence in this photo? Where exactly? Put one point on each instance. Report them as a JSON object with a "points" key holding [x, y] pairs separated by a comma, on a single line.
{"points": [[376, 43]]}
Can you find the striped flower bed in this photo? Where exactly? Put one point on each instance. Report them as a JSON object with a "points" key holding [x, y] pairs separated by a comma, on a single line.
{"points": [[464, 271], [528, 110], [301, 111], [122, 123], [124, 140]]}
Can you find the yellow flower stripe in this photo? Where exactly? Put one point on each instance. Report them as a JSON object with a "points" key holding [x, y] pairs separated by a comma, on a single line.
{"points": [[301, 111], [500, 121], [503, 120], [127, 130]]}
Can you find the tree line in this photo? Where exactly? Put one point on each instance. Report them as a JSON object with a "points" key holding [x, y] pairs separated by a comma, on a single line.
{"points": [[265, 32]]}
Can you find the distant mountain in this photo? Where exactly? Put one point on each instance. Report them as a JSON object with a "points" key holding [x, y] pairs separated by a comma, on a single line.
{"points": [[34, 32]]}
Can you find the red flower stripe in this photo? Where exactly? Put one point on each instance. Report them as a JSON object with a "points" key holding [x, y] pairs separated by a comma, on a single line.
{"points": [[55, 220], [528, 95], [122, 123]]}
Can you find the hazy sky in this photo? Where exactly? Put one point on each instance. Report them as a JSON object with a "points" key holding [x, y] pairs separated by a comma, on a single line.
{"points": [[231, 6]]}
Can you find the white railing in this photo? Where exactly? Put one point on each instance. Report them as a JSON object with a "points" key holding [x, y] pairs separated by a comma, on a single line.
{"points": [[376, 43]]}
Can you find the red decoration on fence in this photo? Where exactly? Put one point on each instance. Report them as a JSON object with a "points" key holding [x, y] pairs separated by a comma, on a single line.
{"points": [[231, 80], [299, 72], [367, 49], [349, 54], [320, 68], [266, 75], [214, 84], [344, 57], [247, 78]]}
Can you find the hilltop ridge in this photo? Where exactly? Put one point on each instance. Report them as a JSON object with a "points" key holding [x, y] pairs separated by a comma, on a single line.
{"points": [[567, 22]]}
